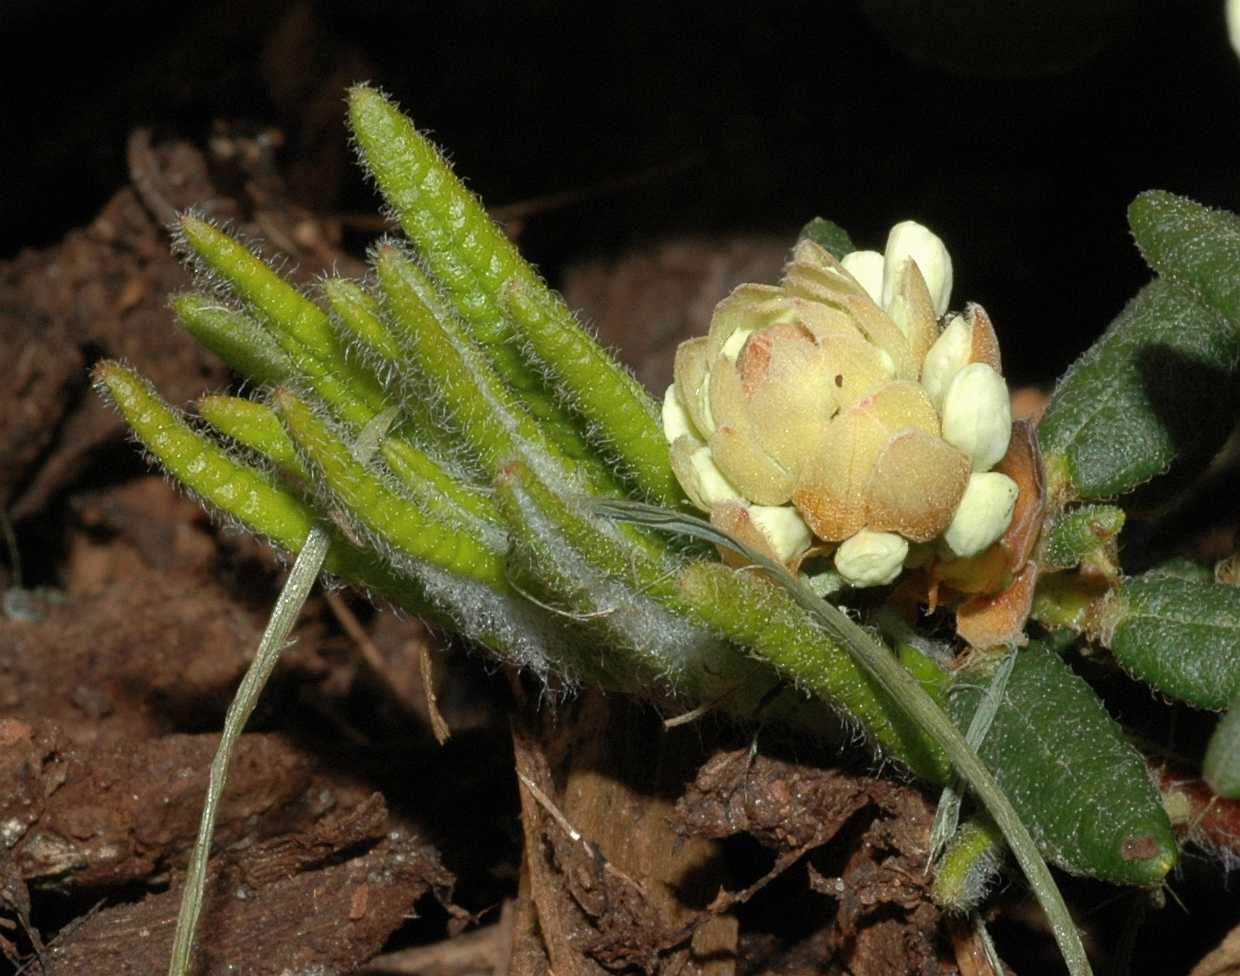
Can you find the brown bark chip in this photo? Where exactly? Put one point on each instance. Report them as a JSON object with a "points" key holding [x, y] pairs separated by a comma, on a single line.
{"points": [[607, 883], [304, 924], [884, 921]]}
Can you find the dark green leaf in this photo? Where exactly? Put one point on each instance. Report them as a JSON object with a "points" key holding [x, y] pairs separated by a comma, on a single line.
{"points": [[1158, 387], [1197, 247]]}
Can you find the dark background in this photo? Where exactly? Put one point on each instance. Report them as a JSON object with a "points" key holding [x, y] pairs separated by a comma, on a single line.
{"points": [[1018, 130]]}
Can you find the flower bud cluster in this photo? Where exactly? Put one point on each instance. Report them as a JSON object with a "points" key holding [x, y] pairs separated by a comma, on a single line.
{"points": [[831, 414]]}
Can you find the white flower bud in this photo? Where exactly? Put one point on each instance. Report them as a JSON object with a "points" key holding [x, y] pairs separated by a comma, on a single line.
{"points": [[984, 514], [871, 558], [910, 239], [947, 357], [676, 420], [977, 415], [712, 486], [867, 268], [1232, 13], [783, 528]]}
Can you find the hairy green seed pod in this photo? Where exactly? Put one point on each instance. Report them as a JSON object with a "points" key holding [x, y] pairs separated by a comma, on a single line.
{"points": [[1180, 636], [1158, 387], [462, 247], [969, 866], [253, 425], [391, 519], [299, 326], [764, 618], [1072, 535], [242, 493], [235, 337], [1069, 771]]}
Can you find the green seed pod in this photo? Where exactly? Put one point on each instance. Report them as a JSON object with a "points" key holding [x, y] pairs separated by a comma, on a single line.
{"points": [[463, 248], [1192, 244], [240, 492], [235, 337], [1072, 535], [299, 326], [358, 314], [1156, 388], [392, 520], [765, 618], [1077, 783], [623, 419], [969, 866], [253, 425], [1180, 636]]}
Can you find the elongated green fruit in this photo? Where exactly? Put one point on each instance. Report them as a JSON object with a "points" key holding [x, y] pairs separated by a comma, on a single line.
{"points": [[358, 319], [1071, 774], [424, 477], [624, 588], [1180, 636], [621, 414], [1157, 387], [360, 314], [969, 866], [1196, 246], [239, 491], [254, 425], [1072, 535], [464, 249], [298, 325], [1221, 766], [757, 615], [494, 423], [235, 337], [390, 518]]}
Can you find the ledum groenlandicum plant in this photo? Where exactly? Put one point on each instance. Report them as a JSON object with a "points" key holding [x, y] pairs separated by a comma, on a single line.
{"points": [[836, 456]]}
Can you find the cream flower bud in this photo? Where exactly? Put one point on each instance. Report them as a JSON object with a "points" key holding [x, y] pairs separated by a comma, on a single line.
{"points": [[676, 419], [909, 239], [785, 531], [977, 415], [871, 558], [703, 482], [867, 268], [947, 357], [984, 514]]}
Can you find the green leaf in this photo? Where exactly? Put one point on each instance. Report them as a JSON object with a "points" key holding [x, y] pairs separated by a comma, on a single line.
{"points": [[828, 235], [1069, 770], [1158, 387], [1197, 247], [1180, 636]]}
